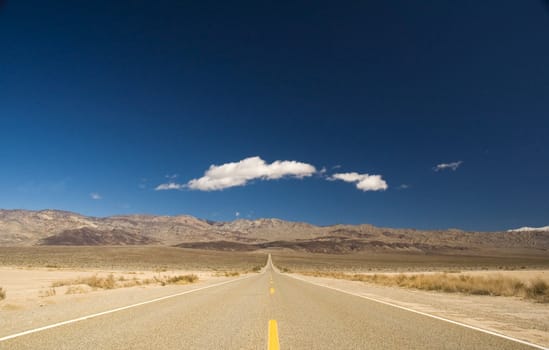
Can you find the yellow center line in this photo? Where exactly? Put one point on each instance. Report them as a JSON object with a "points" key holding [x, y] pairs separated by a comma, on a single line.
{"points": [[272, 290], [273, 336]]}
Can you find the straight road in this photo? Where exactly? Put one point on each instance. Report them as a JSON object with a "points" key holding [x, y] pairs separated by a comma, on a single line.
{"points": [[265, 311]]}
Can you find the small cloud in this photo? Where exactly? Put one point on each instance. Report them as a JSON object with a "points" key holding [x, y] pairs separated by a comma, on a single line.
{"points": [[237, 214], [336, 166], [219, 177], [364, 182], [444, 166], [169, 186], [95, 196], [171, 176], [322, 171], [403, 187]]}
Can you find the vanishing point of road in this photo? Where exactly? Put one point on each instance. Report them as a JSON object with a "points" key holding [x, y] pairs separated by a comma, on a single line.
{"points": [[268, 310]]}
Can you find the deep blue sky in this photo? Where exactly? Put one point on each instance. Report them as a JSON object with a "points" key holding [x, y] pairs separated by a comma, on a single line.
{"points": [[109, 97]]}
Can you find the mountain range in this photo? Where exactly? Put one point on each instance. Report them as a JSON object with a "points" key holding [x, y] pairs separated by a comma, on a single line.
{"points": [[55, 227]]}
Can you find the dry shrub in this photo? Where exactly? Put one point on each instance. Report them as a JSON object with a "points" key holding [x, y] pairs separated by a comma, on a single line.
{"points": [[47, 293], [227, 274], [180, 279], [110, 282], [537, 290], [79, 289], [2, 293], [92, 281]]}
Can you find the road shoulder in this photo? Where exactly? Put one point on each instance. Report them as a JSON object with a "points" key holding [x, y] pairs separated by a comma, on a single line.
{"points": [[512, 317]]}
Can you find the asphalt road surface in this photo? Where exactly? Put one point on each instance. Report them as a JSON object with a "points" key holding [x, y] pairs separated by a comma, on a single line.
{"points": [[265, 311]]}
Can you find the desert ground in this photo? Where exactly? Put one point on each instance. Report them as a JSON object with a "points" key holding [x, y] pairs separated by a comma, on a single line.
{"points": [[51, 284]]}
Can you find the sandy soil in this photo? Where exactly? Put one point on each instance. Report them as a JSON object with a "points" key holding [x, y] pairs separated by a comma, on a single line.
{"points": [[514, 317], [26, 287]]}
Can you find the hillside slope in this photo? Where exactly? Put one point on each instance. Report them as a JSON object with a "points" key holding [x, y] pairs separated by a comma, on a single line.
{"points": [[54, 227]]}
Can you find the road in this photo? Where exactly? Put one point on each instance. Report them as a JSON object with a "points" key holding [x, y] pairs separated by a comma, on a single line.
{"points": [[269, 310]]}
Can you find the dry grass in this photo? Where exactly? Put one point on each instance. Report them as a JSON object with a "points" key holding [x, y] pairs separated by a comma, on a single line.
{"points": [[95, 282], [76, 290], [255, 269], [50, 292], [180, 279], [410, 262], [2, 293], [227, 274], [536, 289], [110, 282]]}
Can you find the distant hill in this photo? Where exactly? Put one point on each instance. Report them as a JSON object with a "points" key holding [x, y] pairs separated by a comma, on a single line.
{"points": [[54, 227], [93, 236]]}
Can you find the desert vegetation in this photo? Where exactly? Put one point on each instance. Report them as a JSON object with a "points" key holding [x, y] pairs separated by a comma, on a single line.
{"points": [[49, 292], [410, 262], [494, 285], [2, 293], [131, 258], [78, 285], [180, 279], [227, 274]]}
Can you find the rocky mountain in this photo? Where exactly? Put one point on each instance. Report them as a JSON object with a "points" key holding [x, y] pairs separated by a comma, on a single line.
{"points": [[54, 227], [93, 236]]}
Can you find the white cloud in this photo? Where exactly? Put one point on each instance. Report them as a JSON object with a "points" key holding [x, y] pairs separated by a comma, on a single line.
{"points": [[403, 187], [169, 186], [171, 176], [219, 177], [444, 166], [95, 196], [364, 182], [237, 214]]}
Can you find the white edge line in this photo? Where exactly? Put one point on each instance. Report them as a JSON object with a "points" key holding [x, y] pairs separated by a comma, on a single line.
{"points": [[425, 314], [87, 317]]}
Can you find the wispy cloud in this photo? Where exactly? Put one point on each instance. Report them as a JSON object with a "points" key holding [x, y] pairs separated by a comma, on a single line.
{"points": [[171, 176], [169, 186], [95, 196], [403, 187], [363, 182], [219, 177], [237, 214], [444, 166]]}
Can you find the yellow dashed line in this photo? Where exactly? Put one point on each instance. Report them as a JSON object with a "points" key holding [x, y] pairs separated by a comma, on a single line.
{"points": [[273, 336], [272, 290]]}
